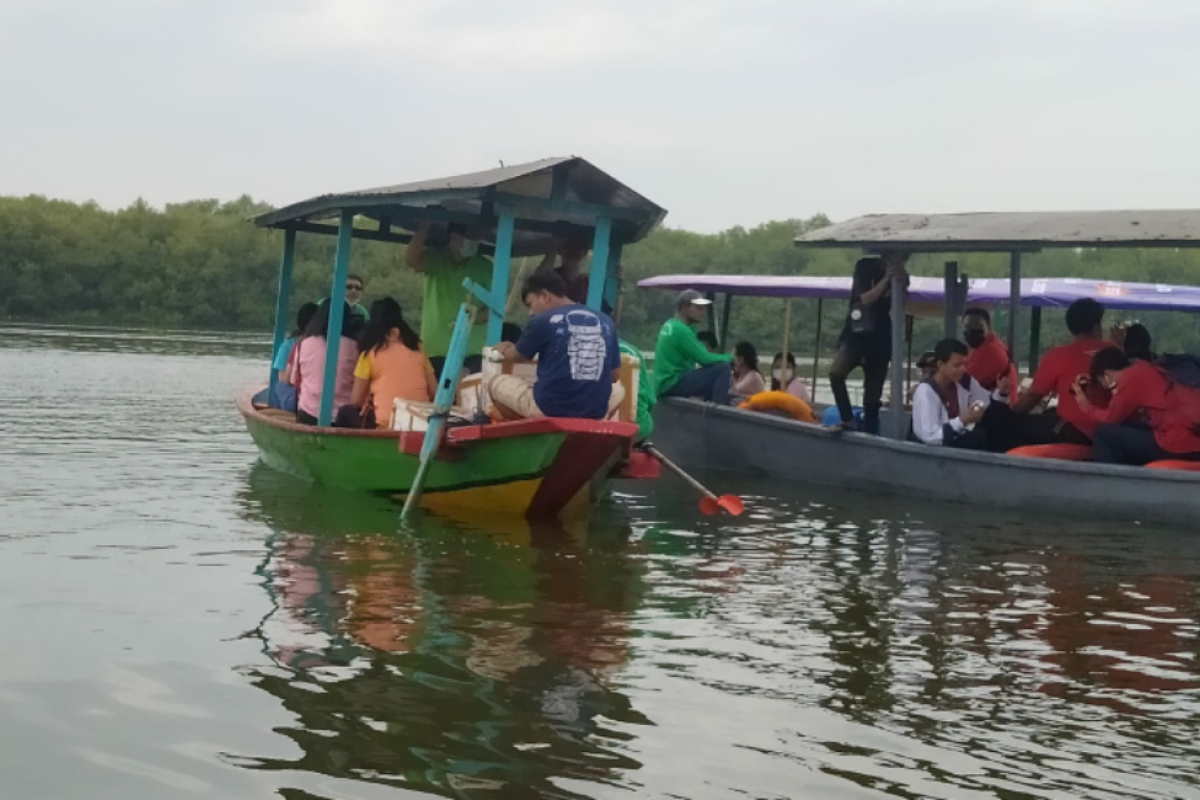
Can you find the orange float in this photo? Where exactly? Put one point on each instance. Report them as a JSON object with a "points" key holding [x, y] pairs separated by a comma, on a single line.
{"points": [[1061, 452], [789, 404], [1173, 463]]}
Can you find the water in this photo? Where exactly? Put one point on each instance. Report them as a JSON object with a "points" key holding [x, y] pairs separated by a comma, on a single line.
{"points": [[180, 622]]}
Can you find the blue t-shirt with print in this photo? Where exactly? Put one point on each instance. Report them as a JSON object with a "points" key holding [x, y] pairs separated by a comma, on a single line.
{"points": [[576, 349]]}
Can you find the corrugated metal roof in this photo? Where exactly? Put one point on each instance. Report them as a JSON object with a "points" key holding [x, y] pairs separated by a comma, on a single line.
{"points": [[582, 192], [1011, 231]]}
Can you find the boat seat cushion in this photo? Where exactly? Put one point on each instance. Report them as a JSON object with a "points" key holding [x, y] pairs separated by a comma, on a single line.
{"points": [[1062, 452]]}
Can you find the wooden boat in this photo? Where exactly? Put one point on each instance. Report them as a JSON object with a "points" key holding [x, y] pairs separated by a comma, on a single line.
{"points": [[703, 436], [536, 468]]}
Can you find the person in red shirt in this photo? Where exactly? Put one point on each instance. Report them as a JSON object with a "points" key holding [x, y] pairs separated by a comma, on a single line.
{"points": [[1150, 417], [988, 360], [1057, 374]]}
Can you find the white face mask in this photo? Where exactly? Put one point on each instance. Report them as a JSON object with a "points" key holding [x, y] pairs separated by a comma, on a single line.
{"points": [[468, 248], [783, 376]]}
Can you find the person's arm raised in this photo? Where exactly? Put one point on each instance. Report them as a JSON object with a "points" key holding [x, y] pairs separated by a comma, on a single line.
{"points": [[414, 253]]}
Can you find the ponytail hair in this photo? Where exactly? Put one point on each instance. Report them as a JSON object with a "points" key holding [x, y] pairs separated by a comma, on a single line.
{"points": [[385, 315]]}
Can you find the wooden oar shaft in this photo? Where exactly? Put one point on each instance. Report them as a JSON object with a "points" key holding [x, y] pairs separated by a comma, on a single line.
{"points": [[678, 470]]}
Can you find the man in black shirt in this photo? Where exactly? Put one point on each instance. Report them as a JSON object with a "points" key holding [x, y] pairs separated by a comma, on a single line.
{"points": [[866, 339]]}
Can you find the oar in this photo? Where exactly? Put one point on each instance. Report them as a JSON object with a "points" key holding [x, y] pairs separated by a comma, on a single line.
{"points": [[710, 504], [435, 431]]}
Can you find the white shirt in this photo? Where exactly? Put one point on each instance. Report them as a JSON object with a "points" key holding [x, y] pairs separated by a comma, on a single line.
{"points": [[930, 417]]}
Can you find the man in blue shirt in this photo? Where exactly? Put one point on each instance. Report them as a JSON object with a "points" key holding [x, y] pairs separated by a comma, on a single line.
{"points": [[577, 354]]}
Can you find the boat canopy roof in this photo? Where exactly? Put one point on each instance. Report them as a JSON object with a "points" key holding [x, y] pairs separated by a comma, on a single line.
{"points": [[554, 196], [1035, 292], [1009, 232]]}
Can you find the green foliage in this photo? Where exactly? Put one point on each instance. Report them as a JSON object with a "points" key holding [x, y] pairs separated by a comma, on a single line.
{"points": [[200, 264]]}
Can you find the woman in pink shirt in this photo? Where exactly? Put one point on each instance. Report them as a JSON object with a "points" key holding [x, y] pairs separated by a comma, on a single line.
{"points": [[747, 380], [309, 374], [785, 380]]}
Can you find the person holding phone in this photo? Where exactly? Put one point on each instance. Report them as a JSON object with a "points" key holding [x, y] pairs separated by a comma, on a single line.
{"points": [[951, 409]]}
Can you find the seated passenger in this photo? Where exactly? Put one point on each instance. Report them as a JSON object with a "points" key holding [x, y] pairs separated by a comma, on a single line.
{"points": [[747, 380], [1150, 417], [1134, 339], [392, 366], [1056, 374], [679, 350], [988, 357], [284, 396], [926, 366], [578, 358], [709, 340], [308, 372], [645, 399], [786, 380], [952, 409], [572, 250]]}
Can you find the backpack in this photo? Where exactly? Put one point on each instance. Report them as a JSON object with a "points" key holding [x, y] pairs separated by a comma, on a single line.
{"points": [[1183, 378], [1181, 368]]}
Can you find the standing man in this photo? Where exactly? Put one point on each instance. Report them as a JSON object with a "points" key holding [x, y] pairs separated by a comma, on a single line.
{"points": [[1057, 374], [988, 359], [679, 351], [866, 338], [444, 269]]}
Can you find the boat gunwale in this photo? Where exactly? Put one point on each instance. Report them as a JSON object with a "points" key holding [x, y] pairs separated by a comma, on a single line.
{"points": [[1058, 466]]}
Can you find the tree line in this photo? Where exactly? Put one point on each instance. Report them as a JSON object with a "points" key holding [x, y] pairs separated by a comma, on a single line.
{"points": [[201, 265]]}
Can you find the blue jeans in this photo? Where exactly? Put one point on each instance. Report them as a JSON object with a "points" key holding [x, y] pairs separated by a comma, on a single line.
{"points": [[709, 383]]}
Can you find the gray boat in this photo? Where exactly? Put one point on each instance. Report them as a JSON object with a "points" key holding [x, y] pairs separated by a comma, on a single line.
{"points": [[703, 436]]}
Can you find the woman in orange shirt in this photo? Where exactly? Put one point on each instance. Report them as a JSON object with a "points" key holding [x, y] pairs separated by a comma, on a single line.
{"points": [[392, 366]]}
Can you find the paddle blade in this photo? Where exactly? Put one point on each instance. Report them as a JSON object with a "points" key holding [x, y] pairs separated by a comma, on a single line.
{"points": [[731, 503], [709, 506]]}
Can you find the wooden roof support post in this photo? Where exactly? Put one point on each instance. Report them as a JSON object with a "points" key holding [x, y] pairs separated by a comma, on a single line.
{"points": [[724, 338], [1014, 307], [598, 279], [897, 396], [950, 301], [281, 302], [337, 307], [501, 263]]}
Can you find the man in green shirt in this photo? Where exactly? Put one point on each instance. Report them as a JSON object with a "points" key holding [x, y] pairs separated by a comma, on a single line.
{"points": [[646, 397], [679, 350], [444, 269]]}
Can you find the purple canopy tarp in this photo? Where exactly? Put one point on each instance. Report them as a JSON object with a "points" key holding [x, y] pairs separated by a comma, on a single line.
{"points": [[1038, 292]]}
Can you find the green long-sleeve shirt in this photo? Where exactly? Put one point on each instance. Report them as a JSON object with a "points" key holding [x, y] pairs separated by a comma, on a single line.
{"points": [[646, 397], [678, 351]]}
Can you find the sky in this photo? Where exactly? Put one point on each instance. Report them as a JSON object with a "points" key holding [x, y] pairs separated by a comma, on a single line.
{"points": [[726, 112]]}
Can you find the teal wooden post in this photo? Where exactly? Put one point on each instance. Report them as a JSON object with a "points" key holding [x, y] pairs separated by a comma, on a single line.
{"points": [[281, 302], [598, 280], [333, 334], [501, 263], [612, 290]]}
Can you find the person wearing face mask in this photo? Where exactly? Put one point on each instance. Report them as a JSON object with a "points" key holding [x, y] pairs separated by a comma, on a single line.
{"points": [[786, 380], [951, 409], [988, 358], [444, 269], [1150, 417]]}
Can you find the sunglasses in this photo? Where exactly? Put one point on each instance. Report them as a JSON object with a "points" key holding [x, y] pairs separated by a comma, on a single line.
{"points": [[353, 287]]}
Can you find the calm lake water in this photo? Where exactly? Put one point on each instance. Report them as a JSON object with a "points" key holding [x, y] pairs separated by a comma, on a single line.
{"points": [[181, 622]]}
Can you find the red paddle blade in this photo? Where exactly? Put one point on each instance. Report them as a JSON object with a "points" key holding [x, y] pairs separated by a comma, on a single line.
{"points": [[710, 506], [731, 503]]}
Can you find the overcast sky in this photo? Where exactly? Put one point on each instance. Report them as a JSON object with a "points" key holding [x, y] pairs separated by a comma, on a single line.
{"points": [[726, 113]]}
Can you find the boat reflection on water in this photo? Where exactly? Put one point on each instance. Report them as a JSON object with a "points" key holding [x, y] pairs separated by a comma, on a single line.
{"points": [[824, 640], [471, 654]]}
